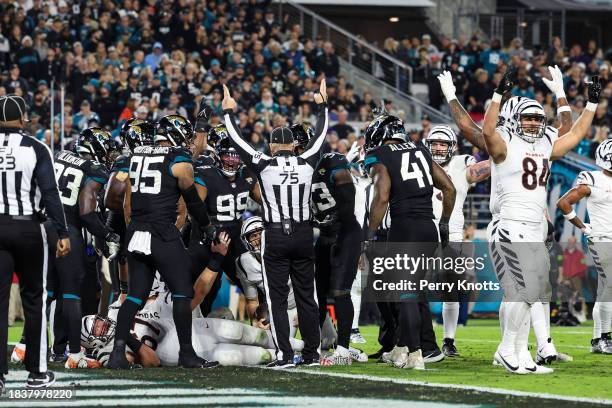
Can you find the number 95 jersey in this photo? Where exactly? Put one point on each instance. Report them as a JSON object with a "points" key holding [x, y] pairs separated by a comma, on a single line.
{"points": [[522, 177], [409, 166], [155, 190], [324, 187]]}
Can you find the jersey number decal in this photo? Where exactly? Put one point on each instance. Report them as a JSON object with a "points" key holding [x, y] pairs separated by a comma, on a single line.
{"points": [[326, 200], [230, 208], [7, 160], [293, 177], [415, 172], [68, 182], [530, 174], [143, 178]]}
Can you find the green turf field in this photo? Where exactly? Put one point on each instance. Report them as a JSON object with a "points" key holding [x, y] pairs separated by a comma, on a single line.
{"points": [[471, 378]]}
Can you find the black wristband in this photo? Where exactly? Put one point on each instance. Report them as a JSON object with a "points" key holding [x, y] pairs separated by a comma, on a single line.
{"points": [[215, 261], [123, 287]]}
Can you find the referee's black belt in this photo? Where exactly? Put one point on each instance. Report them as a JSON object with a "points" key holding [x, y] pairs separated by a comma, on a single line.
{"points": [[279, 225], [31, 217]]}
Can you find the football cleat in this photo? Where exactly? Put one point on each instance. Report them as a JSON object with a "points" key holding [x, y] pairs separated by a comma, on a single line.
{"points": [[564, 358], [449, 349], [80, 360], [189, 359], [340, 356], [526, 362], [415, 360], [358, 355], [598, 346], [310, 362], [510, 362], [379, 355], [58, 358], [280, 365], [398, 357], [41, 380], [356, 337], [547, 353], [18, 354], [433, 356]]}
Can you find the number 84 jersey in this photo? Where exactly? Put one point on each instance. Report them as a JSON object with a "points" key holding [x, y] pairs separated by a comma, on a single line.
{"points": [[523, 176]]}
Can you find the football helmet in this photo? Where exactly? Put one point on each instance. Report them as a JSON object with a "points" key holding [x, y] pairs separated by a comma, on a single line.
{"points": [[506, 112], [175, 129], [137, 132], [215, 135], [441, 134], [302, 134], [97, 331], [384, 127], [529, 110], [98, 143], [249, 227], [603, 155], [228, 159]]}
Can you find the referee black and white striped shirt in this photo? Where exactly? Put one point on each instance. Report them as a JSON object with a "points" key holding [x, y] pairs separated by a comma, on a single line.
{"points": [[27, 179], [285, 179]]}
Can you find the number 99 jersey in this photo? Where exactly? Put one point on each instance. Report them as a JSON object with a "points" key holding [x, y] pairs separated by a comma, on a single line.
{"points": [[155, 190], [522, 177], [323, 187], [410, 168], [72, 173]]}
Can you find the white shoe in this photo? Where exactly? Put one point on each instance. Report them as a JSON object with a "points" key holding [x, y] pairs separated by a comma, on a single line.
{"points": [[601, 346], [547, 353], [340, 356], [356, 337], [526, 362], [358, 355], [564, 358], [415, 360], [18, 354], [398, 357], [509, 361]]}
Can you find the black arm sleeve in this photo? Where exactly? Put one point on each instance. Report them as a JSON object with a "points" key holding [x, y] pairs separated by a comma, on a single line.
{"points": [[45, 179], [255, 160], [312, 154], [195, 206], [94, 225]]}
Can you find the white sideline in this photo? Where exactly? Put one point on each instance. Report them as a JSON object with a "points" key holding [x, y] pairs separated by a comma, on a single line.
{"points": [[490, 390]]}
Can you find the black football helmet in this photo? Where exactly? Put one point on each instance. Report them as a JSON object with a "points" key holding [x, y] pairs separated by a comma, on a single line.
{"points": [[137, 132], [176, 129], [97, 143], [228, 159], [384, 127], [302, 134], [215, 135]]}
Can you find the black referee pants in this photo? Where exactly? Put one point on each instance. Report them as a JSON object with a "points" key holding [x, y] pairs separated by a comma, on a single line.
{"points": [[23, 249], [292, 256]]}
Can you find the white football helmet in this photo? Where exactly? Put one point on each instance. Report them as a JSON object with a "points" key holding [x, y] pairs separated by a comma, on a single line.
{"points": [[603, 155], [250, 226], [441, 134], [529, 109], [507, 110], [96, 331]]}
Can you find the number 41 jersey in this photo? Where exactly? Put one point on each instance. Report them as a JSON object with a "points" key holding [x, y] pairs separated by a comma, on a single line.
{"points": [[72, 173], [410, 167], [522, 177], [155, 191]]}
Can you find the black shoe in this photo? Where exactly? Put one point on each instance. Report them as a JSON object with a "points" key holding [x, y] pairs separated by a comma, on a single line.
{"points": [[433, 356], [189, 359], [309, 362], [41, 380], [58, 358], [281, 364], [449, 349], [117, 359], [379, 353]]}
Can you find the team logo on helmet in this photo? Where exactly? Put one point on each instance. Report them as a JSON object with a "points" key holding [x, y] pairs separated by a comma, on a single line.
{"points": [[175, 129], [603, 155], [382, 128], [97, 143]]}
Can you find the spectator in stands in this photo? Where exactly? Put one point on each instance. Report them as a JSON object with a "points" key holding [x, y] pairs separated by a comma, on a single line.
{"points": [[84, 116], [491, 57], [153, 59], [342, 128], [428, 45], [479, 91], [328, 63]]}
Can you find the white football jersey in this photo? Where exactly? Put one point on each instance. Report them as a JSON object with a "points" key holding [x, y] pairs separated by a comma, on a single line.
{"points": [[361, 184], [521, 179], [494, 199], [599, 202], [456, 168]]}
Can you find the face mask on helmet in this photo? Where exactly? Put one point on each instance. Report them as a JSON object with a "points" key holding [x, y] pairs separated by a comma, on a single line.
{"points": [[530, 121], [251, 234], [230, 162], [97, 331], [603, 155], [441, 150]]}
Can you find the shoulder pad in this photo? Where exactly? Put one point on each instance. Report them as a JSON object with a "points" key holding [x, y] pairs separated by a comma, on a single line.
{"points": [[122, 163], [585, 178], [96, 172], [180, 154], [551, 133], [333, 160]]}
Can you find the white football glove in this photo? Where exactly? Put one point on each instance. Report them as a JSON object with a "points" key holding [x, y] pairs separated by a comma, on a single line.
{"points": [[113, 250], [448, 88], [556, 83], [353, 152], [587, 230]]}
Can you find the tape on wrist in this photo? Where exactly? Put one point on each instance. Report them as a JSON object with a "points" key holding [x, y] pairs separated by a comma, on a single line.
{"points": [[591, 106], [451, 97], [560, 94], [496, 97], [564, 108], [570, 215]]}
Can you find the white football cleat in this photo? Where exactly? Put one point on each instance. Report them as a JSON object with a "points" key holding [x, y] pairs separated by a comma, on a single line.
{"points": [[526, 361], [356, 337], [547, 353], [358, 355], [564, 358], [18, 354], [398, 357], [415, 361], [509, 361], [599, 346]]}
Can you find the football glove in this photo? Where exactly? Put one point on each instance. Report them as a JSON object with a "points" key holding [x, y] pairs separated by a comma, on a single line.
{"points": [[594, 89], [210, 234], [448, 88], [587, 230], [353, 153], [204, 115], [556, 83], [507, 82]]}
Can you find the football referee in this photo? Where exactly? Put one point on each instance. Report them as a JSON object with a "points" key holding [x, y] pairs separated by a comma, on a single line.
{"points": [[27, 186], [287, 240]]}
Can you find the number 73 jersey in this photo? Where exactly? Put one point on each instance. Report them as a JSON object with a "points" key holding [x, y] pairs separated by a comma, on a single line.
{"points": [[523, 176]]}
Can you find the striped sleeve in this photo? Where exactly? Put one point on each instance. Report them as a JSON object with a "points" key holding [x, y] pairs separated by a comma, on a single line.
{"points": [[254, 159], [313, 150], [585, 178]]}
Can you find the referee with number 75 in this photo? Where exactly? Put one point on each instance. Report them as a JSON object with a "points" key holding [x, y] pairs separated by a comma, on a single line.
{"points": [[27, 186], [287, 240]]}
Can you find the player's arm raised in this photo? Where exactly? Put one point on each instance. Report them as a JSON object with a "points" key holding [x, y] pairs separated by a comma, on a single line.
{"points": [[443, 183], [312, 152], [496, 146], [579, 130], [469, 129], [556, 86]]}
